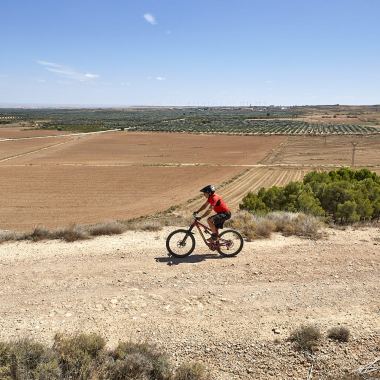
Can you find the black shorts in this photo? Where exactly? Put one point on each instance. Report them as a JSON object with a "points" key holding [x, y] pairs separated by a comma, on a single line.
{"points": [[220, 218]]}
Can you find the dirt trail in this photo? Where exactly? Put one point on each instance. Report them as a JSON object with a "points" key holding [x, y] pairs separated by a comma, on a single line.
{"points": [[220, 311]]}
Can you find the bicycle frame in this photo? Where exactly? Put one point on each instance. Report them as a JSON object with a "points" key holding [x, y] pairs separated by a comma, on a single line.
{"points": [[198, 224], [212, 245]]}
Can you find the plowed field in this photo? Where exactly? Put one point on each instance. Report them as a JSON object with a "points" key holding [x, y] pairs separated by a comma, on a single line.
{"points": [[87, 179], [330, 150], [56, 181], [252, 180]]}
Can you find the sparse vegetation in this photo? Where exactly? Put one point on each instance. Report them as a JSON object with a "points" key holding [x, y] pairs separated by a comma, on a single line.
{"points": [[192, 371], [306, 337], [340, 333], [258, 227], [84, 356], [108, 228]]}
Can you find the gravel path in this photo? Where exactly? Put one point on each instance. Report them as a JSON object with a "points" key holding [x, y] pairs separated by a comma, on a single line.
{"points": [[233, 314]]}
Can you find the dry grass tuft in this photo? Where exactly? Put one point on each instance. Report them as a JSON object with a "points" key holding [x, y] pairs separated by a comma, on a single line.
{"points": [[306, 337], [257, 227], [11, 236], [264, 228], [138, 361], [26, 359], [39, 233], [70, 234], [296, 224], [245, 223], [107, 228], [191, 371], [78, 354], [340, 333], [143, 225], [157, 221]]}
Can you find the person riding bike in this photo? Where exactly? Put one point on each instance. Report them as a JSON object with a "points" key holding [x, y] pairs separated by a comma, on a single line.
{"points": [[216, 203]]}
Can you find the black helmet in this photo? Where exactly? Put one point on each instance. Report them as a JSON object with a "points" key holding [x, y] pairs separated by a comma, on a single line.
{"points": [[209, 189]]}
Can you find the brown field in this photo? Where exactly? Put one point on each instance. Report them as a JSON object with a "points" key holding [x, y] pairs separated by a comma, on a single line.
{"points": [[21, 132], [55, 196], [332, 150], [160, 148], [120, 175], [114, 176], [12, 148]]}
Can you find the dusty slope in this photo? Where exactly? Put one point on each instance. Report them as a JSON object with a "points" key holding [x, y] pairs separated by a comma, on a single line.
{"points": [[220, 311]]}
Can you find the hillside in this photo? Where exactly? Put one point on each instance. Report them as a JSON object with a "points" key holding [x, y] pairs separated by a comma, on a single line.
{"points": [[232, 314]]}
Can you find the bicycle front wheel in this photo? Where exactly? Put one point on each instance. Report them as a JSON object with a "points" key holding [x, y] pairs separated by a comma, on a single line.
{"points": [[230, 243], [180, 243]]}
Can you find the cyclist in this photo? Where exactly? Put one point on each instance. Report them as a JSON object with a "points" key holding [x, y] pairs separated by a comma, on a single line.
{"points": [[216, 203]]}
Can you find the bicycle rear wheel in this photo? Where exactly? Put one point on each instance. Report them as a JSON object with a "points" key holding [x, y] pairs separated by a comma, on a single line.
{"points": [[230, 243], [180, 243]]}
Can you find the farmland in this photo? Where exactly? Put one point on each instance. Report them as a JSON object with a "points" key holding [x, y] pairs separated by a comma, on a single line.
{"points": [[57, 177], [325, 120], [203, 307], [118, 175]]}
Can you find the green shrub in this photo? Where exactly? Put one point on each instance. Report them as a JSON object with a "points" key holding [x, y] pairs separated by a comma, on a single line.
{"points": [[344, 195]]}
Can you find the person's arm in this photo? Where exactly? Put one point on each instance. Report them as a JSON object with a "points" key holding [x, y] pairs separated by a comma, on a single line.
{"points": [[207, 212], [202, 207]]}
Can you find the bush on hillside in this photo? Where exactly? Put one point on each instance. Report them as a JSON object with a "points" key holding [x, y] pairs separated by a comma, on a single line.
{"points": [[191, 371], [345, 196], [306, 337], [84, 356], [258, 227], [340, 333]]}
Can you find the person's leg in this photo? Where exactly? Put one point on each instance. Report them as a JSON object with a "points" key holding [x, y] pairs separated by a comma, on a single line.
{"points": [[212, 226]]}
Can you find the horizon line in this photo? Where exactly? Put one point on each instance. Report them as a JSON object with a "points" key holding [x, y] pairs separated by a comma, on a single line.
{"points": [[105, 106]]}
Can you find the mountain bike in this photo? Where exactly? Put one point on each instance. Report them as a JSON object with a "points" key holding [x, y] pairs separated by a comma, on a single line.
{"points": [[181, 243]]}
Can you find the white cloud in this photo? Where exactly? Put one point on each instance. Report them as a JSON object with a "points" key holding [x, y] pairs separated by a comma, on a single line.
{"points": [[168, 32], [67, 72], [160, 78], [150, 18]]}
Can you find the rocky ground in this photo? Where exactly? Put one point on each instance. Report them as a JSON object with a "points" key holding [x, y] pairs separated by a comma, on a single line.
{"points": [[233, 314]]}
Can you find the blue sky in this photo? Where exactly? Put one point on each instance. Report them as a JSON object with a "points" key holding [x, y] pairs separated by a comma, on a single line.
{"points": [[177, 52]]}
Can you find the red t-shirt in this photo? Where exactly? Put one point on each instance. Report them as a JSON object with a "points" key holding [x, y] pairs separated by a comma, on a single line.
{"points": [[217, 203]]}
